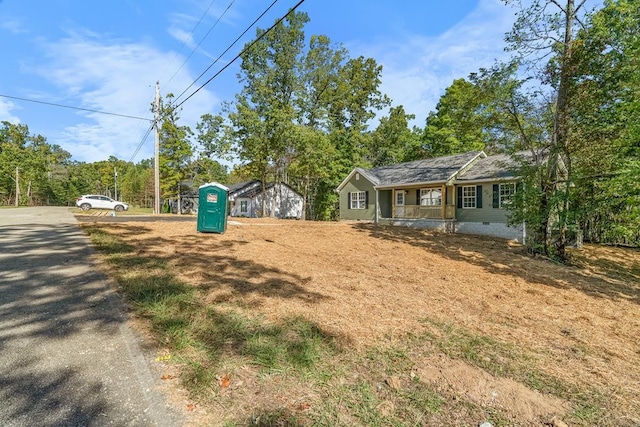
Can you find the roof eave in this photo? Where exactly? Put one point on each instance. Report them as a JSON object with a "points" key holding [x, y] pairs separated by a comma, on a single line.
{"points": [[486, 180], [407, 185]]}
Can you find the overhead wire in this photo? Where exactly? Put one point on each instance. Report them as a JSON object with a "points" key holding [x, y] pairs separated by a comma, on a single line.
{"points": [[238, 55], [142, 141], [197, 25], [203, 38], [225, 51], [74, 108]]}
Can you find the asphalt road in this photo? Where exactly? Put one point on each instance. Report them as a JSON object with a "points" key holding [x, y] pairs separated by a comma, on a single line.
{"points": [[67, 354]]}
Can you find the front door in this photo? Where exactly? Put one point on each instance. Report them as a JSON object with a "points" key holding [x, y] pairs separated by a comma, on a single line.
{"points": [[399, 203], [214, 211]]}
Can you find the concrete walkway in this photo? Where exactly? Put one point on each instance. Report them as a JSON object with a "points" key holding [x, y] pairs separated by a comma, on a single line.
{"points": [[67, 354]]}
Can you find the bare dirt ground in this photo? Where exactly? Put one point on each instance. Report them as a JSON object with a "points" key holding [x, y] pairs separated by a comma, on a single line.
{"points": [[367, 284]]}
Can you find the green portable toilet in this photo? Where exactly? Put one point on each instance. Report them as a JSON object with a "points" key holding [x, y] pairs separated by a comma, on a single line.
{"points": [[212, 208]]}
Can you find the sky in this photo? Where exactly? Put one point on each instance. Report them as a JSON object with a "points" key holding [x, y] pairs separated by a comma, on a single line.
{"points": [[107, 56]]}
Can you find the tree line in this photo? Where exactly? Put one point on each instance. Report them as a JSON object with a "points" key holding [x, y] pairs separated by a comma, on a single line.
{"points": [[568, 98]]}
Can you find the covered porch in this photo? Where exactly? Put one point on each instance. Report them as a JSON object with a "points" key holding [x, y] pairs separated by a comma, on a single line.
{"points": [[416, 203]]}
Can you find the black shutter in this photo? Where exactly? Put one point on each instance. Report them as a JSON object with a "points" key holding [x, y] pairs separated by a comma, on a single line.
{"points": [[459, 197], [366, 200], [496, 196], [348, 200], [479, 196], [418, 196]]}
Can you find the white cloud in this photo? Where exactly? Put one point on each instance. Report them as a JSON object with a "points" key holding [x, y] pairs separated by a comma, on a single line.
{"points": [[14, 26], [5, 111], [417, 69], [118, 77]]}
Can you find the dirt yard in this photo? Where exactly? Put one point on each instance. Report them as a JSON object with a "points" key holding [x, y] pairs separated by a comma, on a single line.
{"points": [[369, 285]]}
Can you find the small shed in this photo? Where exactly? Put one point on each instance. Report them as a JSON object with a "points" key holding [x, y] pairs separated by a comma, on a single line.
{"points": [[212, 208]]}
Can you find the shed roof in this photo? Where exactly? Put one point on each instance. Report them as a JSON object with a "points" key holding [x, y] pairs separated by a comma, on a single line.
{"points": [[250, 189]]}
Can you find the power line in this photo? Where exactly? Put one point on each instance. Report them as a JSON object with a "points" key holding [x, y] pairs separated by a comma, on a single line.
{"points": [[144, 138], [226, 50], [198, 24], [203, 38], [74, 108], [238, 55]]}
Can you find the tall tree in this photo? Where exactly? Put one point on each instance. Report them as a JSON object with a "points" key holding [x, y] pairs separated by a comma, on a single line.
{"points": [[546, 29], [393, 141], [176, 150], [456, 126], [606, 124], [263, 114]]}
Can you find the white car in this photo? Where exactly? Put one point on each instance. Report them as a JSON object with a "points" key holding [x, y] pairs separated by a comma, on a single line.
{"points": [[92, 201]]}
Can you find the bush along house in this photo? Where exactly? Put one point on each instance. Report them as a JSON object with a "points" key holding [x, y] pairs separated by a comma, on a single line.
{"points": [[462, 193]]}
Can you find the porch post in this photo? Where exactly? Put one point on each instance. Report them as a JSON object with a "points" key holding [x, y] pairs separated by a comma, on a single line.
{"points": [[443, 199]]}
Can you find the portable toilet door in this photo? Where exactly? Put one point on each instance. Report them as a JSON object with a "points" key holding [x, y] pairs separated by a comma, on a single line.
{"points": [[212, 209]]}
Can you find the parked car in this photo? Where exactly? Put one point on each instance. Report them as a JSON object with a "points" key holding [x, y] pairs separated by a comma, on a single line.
{"points": [[92, 201]]}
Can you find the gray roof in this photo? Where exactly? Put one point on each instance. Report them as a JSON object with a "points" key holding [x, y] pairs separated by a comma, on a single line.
{"points": [[250, 189], [438, 169], [240, 186], [496, 167]]}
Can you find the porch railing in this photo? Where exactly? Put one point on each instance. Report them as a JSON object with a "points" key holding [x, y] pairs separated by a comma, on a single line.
{"points": [[423, 212]]}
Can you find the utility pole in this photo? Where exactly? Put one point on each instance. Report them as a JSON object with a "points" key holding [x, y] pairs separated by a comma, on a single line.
{"points": [[17, 186], [156, 163]]}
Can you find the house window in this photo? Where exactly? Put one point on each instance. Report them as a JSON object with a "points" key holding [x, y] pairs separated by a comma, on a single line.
{"points": [[469, 197], [507, 191], [244, 207], [430, 197], [358, 200]]}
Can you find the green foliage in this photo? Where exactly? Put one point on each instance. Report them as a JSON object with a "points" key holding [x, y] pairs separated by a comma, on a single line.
{"points": [[605, 121], [43, 169], [591, 129], [302, 113], [393, 141], [176, 150], [456, 126]]}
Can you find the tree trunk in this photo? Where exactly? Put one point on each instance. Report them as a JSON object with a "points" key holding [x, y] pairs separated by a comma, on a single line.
{"points": [[558, 173]]}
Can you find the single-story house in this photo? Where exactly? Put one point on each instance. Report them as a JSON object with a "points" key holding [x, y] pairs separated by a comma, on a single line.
{"points": [[245, 200], [461, 193]]}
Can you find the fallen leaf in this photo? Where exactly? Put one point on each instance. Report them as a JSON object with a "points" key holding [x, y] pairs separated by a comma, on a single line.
{"points": [[191, 406], [167, 377], [225, 381], [163, 358], [304, 405], [393, 382]]}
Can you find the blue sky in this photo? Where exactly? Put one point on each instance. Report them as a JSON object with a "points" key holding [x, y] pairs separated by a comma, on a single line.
{"points": [[108, 55]]}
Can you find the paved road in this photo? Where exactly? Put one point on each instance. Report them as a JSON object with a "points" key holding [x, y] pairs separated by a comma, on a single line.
{"points": [[67, 354]]}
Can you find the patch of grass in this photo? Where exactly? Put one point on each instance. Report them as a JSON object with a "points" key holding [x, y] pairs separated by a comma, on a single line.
{"points": [[498, 358], [281, 417], [394, 359], [295, 344], [505, 360], [128, 261], [106, 242], [589, 409], [424, 399]]}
